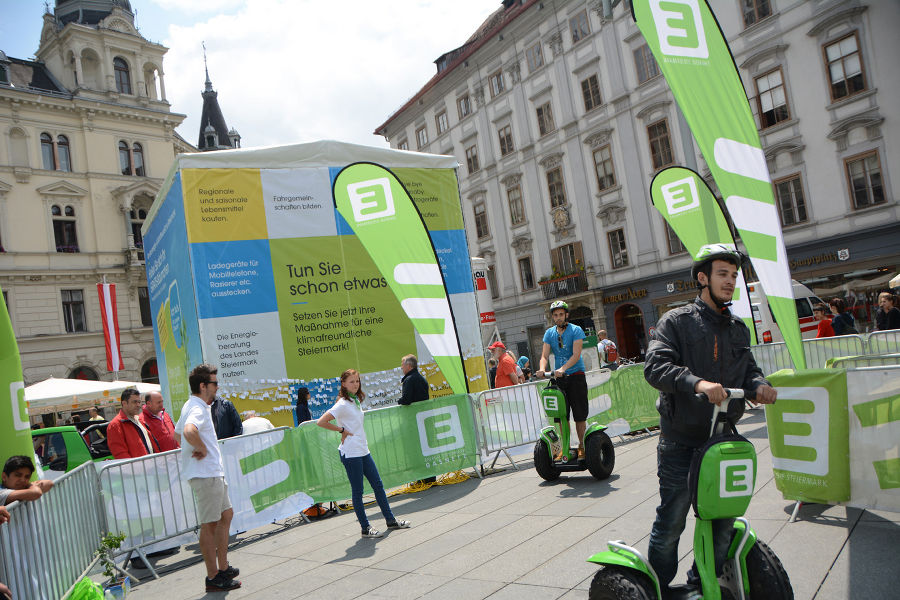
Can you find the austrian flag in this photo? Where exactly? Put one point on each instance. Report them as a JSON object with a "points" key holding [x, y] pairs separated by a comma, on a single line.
{"points": [[110, 317]]}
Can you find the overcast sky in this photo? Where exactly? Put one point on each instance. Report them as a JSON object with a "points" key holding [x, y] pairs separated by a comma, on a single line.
{"points": [[287, 70]]}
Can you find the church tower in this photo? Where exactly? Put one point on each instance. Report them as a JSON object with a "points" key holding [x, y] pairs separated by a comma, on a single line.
{"points": [[214, 133]]}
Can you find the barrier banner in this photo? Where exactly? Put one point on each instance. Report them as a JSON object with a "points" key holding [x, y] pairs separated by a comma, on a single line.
{"points": [[874, 408], [407, 443], [692, 54], [15, 432], [624, 403], [809, 435]]}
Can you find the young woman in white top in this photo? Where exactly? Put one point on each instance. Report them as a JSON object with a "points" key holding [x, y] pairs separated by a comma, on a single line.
{"points": [[354, 451]]}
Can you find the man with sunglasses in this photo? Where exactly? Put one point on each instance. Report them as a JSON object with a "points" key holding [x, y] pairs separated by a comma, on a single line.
{"points": [[565, 341], [201, 465]]}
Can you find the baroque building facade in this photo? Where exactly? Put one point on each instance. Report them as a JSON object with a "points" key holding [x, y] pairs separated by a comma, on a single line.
{"points": [[560, 118], [87, 139]]}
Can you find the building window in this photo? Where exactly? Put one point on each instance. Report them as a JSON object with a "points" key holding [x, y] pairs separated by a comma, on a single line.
{"points": [[123, 78], [545, 119], [84, 373], [755, 10], [603, 166], [47, 154], [526, 273], [137, 221], [618, 253], [675, 245], [404, 145], [660, 146], [137, 152], [496, 83], [791, 204], [845, 69], [441, 121], [144, 304], [73, 310], [516, 208], [62, 152], [464, 106], [472, 159], [590, 89], [556, 187], [492, 282], [534, 57], [864, 176], [506, 141], [481, 221], [150, 372], [579, 27], [64, 228], [4, 76], [567, 258], [646, 65], [421, 137], [771, 99]]}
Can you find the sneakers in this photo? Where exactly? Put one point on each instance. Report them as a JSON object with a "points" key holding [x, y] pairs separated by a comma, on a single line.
{"points": [[221, 583], [230, 572], [371, 532], [399, 525]]}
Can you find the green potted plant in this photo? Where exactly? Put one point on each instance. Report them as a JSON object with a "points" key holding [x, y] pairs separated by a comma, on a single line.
{"points": [[115, 587]]}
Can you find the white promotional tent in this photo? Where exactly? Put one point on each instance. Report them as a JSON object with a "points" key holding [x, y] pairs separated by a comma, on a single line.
{"points": [[68, 394]]}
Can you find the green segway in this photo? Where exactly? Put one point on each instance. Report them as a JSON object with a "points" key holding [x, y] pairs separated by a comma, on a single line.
{"points": [[553, 453], [721, 481]]}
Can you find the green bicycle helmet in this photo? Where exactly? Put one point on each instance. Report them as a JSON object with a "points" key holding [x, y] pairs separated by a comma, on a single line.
{"points": [[559, 304], [711, 252]]}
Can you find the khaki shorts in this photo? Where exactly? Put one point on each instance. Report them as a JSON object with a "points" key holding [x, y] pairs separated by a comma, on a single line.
{"points": [[212, 498]]}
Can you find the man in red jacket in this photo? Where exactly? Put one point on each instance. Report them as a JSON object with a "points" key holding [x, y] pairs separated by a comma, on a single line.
{"points": [[158, 422], [126, 436]]}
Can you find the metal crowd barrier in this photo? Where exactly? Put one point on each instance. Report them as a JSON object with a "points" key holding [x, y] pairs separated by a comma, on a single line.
{"points": [[158, 504], [49, 543], [774, 357], [508, 417]]}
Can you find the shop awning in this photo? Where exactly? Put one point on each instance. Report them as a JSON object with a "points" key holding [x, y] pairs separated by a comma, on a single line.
{"points": [[857, 284]]}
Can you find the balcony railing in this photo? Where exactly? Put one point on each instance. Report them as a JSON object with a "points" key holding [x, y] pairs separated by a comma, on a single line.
{"points": [[563, 286]]}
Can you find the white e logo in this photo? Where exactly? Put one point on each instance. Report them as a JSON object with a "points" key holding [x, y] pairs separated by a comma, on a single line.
{"points": [[679, 27], [735, 478], [680, 195], [371, 199], [440, 430]]}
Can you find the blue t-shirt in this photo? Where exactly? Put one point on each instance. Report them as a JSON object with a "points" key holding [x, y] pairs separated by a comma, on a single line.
{"points": [[564, 353]]}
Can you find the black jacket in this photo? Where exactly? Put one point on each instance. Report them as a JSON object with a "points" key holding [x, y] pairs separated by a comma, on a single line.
{"points": [[887, 320], [691, 343], [226, 419], [415, 388], [303, 414]]}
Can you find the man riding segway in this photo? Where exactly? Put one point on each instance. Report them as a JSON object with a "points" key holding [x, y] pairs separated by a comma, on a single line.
{"points": [[565, 340], [698, 348]]}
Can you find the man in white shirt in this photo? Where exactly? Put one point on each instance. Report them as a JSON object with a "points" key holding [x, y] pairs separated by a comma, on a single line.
{"points": [[201, 465]]}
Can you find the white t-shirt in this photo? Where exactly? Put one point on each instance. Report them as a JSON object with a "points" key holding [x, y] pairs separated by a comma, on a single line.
{"points": [[349, 416], [197, 412]]}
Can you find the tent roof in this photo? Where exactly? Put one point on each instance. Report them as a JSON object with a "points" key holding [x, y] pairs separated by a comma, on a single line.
{"points": [[53, 392]]}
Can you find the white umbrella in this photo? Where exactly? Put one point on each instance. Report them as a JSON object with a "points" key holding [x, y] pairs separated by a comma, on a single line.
{"points": [[895, 282]]}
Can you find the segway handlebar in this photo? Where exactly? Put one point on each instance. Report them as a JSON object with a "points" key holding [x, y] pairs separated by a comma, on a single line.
{"points": [[729, 393]]}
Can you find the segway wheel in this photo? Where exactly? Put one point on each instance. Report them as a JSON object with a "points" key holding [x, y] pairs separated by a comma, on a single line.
{"points": [[768, 579], [613, 582], [543, 464], [600, 455]]}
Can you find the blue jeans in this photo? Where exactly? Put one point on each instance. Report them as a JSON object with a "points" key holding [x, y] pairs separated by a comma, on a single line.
{"points": [[357, 467], [673, 464]]}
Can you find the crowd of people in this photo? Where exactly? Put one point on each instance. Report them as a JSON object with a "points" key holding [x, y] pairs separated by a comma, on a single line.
{"points": [[835, 318]]}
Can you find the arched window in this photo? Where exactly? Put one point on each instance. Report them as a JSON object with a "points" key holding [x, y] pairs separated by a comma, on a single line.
{"points": [[47, 154], [124, 158], [138, 159], [137, 220], [84, 373], [62, 151], [64, 233], [149, 371], [123, 79]]}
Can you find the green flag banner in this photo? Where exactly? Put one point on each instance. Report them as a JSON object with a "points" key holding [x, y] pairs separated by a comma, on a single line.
{"points": [[383, 216], [689, 207], [809, 435], [697, 64], [15, 433]]}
